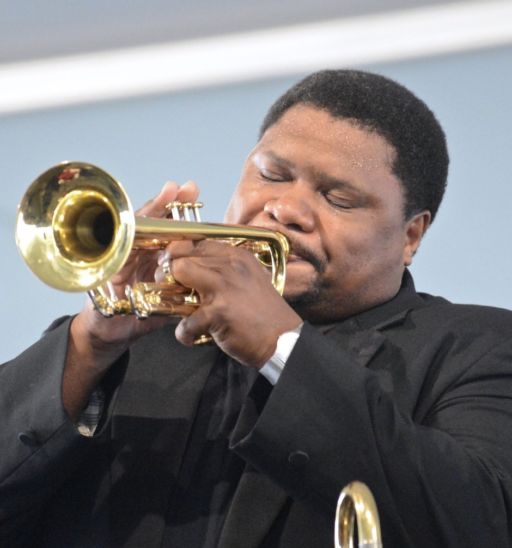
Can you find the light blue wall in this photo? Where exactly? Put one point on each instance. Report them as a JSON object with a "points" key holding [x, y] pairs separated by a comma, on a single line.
{"points": [[205, 135]]}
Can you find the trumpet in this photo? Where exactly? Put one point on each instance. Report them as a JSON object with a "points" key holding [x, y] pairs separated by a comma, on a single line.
{"points": [[356, 502], [76, 229]]}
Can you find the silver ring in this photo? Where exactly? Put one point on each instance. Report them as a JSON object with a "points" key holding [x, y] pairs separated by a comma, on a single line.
{"points": [[166, 271], [166, 267]]}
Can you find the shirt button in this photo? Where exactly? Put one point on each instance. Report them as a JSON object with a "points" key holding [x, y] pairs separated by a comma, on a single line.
{"points": [[298, 458], [28, 438]]}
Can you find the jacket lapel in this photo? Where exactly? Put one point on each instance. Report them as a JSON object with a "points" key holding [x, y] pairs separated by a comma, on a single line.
{"points": [[255, 507], [152, 419]]}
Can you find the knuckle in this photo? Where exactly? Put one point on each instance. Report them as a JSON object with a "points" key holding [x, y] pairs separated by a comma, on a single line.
{"points": [[238, 262], [219, 311], [178, 267]]}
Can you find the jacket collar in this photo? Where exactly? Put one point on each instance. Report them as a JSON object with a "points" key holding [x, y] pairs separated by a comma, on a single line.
{"points": [[383, 315]]}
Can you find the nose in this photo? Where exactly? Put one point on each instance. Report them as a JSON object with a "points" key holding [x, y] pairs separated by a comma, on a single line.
{"points": [[293, 209]]}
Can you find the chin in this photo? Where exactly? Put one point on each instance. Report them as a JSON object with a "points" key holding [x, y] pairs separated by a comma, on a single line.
{"points": [[301, 296], [299, 281]]}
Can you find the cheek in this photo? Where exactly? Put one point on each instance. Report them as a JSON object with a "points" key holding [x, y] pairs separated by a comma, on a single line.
{"points": [[365, 245], [383, 252]]}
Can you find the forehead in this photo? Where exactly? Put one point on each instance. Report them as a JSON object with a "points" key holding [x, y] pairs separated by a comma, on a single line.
{"points": [[312, 136]]}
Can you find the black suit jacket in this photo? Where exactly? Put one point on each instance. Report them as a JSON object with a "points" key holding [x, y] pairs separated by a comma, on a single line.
{"points": [[413, 397]]}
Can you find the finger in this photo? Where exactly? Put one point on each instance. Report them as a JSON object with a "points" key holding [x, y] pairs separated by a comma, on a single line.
{"points": [[163, 271], [192, 248], [192, 327], [195, 272], [189, 192], [179, 248], [156, 206], [164, 256], [140, 266], [198, 248], [170, 192]]}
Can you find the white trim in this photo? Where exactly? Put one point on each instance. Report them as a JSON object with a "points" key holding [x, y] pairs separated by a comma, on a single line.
{"points": [[247, 56]]}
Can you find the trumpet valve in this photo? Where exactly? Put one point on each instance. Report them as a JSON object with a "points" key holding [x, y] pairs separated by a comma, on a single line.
{"points": [[184, 211]]}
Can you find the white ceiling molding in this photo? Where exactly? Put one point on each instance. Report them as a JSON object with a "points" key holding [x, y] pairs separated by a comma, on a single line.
{"points": [[221, 60]]}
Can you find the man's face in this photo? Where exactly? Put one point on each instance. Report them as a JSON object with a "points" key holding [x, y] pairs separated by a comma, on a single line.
{"points": [[328, 186]]}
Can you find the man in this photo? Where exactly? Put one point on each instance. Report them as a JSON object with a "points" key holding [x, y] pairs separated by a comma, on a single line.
{"points": [[352, 376]]}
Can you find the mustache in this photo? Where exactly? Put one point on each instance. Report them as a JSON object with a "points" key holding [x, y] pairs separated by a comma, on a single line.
{"points": [[297, 248]]}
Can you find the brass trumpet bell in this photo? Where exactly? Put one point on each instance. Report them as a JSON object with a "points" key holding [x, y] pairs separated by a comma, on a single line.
{"points": [[76, 228]]}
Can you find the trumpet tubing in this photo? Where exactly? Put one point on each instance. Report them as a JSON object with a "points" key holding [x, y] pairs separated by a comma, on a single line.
{"points": [[76, 228], [356, 505]]}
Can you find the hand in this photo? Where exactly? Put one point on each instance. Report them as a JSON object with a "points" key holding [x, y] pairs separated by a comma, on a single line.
{"points": [[240, 308], [96, 342], [141, 266]]}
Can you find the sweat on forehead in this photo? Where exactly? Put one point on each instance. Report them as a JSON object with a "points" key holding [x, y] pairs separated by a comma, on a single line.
{"points": [[307, 124], [391, 110]]}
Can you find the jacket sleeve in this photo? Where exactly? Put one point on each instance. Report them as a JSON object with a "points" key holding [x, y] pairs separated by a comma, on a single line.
{"points": [[441, 477], [37, 436], [41, 447]]}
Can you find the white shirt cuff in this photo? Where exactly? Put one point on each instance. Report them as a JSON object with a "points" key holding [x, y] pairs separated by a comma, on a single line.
{"points": [[285, 343]]}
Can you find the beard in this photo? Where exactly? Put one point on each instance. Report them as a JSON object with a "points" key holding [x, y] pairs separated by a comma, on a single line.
{"points": [[309, 299], [306, 298]]}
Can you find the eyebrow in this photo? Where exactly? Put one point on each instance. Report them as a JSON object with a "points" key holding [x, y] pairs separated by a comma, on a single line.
{"points": [[326, 181], [281, 162]]}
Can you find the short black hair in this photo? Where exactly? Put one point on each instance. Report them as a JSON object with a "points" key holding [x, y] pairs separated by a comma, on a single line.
{"points": [[376, 103]]}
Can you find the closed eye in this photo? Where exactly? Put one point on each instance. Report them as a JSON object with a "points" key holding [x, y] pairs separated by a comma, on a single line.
{"points": [[272, 176], [340, 202]]}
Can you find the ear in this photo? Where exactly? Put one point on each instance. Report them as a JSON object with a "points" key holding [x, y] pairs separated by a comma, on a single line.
{"points": [[415, 228]]}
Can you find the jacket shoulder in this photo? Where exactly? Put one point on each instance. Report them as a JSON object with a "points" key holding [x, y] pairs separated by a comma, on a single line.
{"points": [[470, 317]]}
